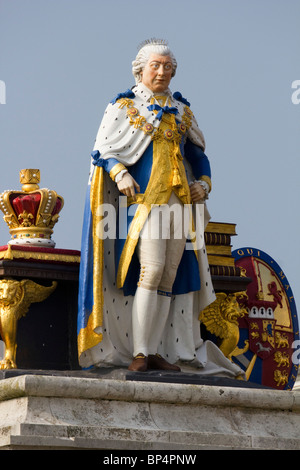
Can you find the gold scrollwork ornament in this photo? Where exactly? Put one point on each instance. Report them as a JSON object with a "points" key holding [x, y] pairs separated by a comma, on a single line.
{"points": [[15, 300]]}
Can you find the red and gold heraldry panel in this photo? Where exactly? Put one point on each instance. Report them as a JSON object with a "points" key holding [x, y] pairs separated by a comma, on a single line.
{"points": [[270, 330]]}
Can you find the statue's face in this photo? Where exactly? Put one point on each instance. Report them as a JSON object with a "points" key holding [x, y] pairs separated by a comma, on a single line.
{"points": [[157, 73], [8, 291]]}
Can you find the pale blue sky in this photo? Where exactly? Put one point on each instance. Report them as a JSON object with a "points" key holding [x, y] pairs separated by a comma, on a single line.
{"points": [[63, 60]]}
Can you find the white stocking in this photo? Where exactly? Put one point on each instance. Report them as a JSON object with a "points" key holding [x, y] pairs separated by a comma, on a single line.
{"points": [[158, 325], [143, 314]]}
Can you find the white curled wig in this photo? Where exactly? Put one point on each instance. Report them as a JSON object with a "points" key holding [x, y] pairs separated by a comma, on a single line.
{"points": [[152, 46]]}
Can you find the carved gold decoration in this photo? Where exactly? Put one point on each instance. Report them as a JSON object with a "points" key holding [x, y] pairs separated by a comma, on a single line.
{"points": [[26, 218], [221, 319], [125, 102], [29, 179], [15, 300], [14, 252]]}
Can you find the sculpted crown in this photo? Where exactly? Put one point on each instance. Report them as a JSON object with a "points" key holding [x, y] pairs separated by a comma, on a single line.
{"points": [[32, 212]]}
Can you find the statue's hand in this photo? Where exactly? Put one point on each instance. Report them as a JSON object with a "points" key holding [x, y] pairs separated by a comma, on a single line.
{"points": [[128, 186], [197, 191]]}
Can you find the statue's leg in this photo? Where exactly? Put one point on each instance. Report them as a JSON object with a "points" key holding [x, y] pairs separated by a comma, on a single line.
{"points": [[151, 254], [174, 247], [175, 244], [159, 253]]}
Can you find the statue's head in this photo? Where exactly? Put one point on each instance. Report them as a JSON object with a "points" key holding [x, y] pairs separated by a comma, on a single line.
{"points": [[10, 292], [154, 56]]}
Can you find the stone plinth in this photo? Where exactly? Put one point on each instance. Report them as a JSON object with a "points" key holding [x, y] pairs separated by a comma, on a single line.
{"points": [[63, 412]]}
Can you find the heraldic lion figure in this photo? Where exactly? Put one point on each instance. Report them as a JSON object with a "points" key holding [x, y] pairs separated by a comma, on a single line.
{"points": [[281, 340], [221, 319]]}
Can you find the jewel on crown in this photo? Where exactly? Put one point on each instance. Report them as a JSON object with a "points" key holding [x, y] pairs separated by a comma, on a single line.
{"points": [[31, 213]]}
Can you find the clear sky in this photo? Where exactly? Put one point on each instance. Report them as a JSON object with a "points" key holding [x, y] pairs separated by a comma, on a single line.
{"points": [[63, 60]]}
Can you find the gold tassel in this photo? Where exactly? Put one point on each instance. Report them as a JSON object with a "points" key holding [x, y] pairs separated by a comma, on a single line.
{"points": [[8, 254], [176, 178]]}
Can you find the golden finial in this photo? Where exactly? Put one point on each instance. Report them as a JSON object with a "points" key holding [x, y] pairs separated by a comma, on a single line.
{"points": [[30, 178]]}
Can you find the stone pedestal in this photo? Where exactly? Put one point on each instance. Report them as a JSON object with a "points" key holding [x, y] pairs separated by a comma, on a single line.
{"points": [[48, 403], [88, 412]]}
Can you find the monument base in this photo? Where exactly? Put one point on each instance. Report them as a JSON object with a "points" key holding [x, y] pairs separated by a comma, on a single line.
{"points": [[84, 411]]}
